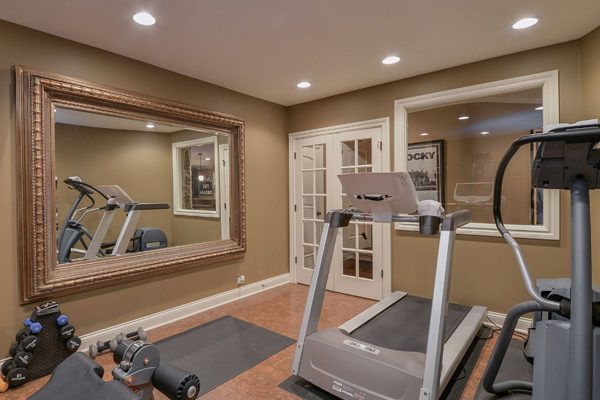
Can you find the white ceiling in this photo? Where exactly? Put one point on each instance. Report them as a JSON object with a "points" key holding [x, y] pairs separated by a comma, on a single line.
{"points": [[82, 118], [264, 47]]}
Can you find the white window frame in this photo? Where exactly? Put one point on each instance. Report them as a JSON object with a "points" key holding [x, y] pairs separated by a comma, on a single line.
{"points": [[177, 209], [550, 229]]}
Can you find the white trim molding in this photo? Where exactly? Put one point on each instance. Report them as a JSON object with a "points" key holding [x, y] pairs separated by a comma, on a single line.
{"points": [[496, 320], [177, 195], [384, 125], [548, 81], [174, 314]]}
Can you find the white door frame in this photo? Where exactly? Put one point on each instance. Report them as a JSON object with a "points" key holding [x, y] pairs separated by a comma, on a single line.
{"points": [[224, 189], [384, 125]]}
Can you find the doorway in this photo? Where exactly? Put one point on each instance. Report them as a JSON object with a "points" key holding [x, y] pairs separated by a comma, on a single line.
{"points": [[361, 261]]}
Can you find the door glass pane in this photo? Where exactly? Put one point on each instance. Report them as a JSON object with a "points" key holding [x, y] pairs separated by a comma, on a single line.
{"points": [[347, 170], [320, 183], [320, 156], [365, 265], [319, 231], [308, 234], [348, 153], [320, 202], [308, 207], [307, 182], [349, 263], [309, 258], [364, 152], [349, 236], [307, 157], [365, 236]]}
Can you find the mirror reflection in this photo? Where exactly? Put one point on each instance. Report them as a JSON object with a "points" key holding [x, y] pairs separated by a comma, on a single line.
{"points": [[125, 186], [454, 150]]}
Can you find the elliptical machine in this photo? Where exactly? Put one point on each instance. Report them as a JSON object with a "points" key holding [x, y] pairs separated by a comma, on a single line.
{"points": [[566, 349]]}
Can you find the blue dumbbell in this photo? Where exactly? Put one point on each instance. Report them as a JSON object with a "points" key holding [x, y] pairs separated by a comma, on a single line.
{"points": [[34, 327], [62, 320]]}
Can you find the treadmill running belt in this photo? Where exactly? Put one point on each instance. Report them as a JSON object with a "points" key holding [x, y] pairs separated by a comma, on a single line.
{"points": [[404, 326]]}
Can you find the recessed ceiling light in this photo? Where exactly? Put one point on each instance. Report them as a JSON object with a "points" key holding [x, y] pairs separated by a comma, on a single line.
{"points": [[54, 110], [424, 134], [525, 23], [144, 18], [149, 125], [484, 133], [390, 60], [540, 108], [463, 117], [207, 158], [304, 85]]}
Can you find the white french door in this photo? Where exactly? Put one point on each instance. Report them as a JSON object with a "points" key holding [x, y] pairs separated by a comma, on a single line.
{"points": [[359, 258]]}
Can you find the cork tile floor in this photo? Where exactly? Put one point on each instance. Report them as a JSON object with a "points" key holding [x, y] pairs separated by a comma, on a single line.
{"points": [[280, 310]]}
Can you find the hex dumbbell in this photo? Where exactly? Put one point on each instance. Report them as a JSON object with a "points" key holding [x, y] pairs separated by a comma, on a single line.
{"points": [[34, 327]]}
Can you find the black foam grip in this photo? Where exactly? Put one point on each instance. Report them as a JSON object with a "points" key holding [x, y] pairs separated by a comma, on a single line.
{"points": [[175, 383]]}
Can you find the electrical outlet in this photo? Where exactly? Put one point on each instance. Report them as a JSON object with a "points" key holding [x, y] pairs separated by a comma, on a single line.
{"points": [[241, 279]]}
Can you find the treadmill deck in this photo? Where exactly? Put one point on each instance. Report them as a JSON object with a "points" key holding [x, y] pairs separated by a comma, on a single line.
{"points": [[405, 324]]}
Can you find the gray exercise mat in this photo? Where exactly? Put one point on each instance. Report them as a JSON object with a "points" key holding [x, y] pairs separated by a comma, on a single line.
{"points": [[307, 391], [390, 330], [221, 349], [514, 366]]}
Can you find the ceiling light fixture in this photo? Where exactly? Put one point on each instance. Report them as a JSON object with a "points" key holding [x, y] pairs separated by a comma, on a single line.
{"points": [[540, 108], [304, 84], [424, 134], [150, 125], [463, 118], [390, 60], [525, 23], [144, 18], [207, 158], [484, 133]]}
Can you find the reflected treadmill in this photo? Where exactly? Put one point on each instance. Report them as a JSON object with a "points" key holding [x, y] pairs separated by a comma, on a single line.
{"points": [[403, 347]]}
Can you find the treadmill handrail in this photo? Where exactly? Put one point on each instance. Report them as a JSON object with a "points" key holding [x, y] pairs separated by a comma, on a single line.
{"points": [[146, 206]]}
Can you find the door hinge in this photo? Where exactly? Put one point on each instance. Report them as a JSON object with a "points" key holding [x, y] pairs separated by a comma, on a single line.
{"points": [[382, 273], [225, 206], [294, 208], [380, 145], [294, 155], [295, 260]]}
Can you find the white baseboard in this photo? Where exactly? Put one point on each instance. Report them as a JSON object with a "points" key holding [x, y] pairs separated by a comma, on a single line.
{"points": [[183, 311], [496, 320]]}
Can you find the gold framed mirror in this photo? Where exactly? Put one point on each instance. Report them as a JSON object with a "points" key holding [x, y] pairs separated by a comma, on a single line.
{"points": [[116, 186]]}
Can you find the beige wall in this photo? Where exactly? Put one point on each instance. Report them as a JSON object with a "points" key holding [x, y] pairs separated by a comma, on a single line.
{"points": [[484, 268], [267, 224]]}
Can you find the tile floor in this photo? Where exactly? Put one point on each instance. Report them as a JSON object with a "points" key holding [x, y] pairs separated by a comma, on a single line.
{"points": [[280, 310]]}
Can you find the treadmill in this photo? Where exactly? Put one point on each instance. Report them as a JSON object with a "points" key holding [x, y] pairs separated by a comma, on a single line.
{"points": [[403, 347]]}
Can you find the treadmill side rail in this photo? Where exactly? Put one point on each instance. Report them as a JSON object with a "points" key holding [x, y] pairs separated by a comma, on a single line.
{"points": [[316, 291], [437, 322]]}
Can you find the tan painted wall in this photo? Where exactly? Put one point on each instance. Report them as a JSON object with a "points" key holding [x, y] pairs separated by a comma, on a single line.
{"points": [[484, 269], [267, 224]]}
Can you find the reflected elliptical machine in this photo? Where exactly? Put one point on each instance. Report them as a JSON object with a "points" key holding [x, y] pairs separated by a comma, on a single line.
{"points": [[566, 340], [394, 349]]}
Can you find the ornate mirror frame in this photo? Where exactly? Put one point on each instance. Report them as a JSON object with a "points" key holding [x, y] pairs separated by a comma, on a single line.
{"points": [[40, 276]]}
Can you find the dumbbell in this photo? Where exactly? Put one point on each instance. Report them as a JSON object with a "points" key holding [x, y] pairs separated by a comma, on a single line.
{"points": [[26, 340], [16, 377], [34, 327], [100, 346], [73, 343]]}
